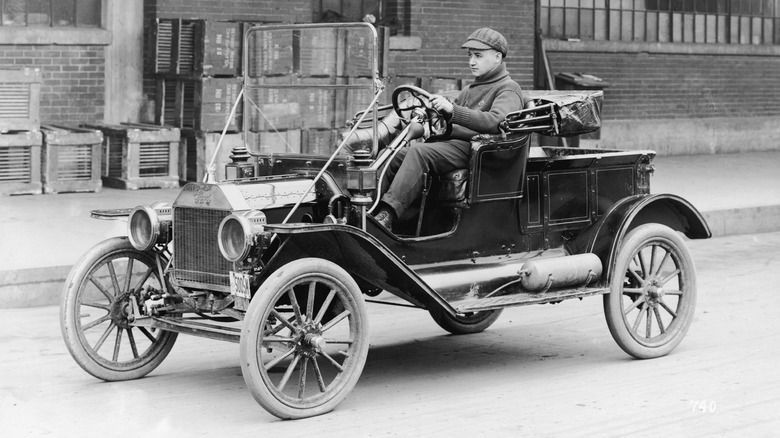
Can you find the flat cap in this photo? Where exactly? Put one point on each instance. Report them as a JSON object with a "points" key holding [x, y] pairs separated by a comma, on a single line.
{"points": [[486, 38]]}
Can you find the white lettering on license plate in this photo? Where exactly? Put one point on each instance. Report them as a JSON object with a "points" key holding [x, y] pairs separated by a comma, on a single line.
{"points": [[239, 285]]}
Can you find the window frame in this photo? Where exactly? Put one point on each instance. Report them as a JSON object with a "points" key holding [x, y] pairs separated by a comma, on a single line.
{"points": [[739, 22], [74, 23]]}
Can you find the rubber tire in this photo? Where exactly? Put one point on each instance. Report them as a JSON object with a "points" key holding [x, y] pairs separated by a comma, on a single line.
{"points": [[256, 315], [467, 324], [640, 237], [70, 323]]}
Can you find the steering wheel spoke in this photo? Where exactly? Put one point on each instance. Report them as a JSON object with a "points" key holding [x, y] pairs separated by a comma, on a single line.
{"points": [[410, 101]]}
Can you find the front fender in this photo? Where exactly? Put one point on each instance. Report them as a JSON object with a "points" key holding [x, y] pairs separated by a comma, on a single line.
{"points": [[357, 252], [605, 236]]}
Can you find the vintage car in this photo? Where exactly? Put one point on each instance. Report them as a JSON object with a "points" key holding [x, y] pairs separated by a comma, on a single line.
{"points": [[281, 255]]}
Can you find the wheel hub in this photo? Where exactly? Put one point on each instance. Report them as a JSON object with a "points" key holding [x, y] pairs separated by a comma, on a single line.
{"points": [[654, 292], [120, 310], [309, 340]]}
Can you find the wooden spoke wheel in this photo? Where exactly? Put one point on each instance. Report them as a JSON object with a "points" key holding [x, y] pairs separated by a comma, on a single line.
{"points": [[466, 323], [653, 292], [95, 312], [304, 340]]}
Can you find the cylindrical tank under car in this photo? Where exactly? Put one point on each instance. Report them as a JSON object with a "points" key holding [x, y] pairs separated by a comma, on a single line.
{"points": [[557, 272]]}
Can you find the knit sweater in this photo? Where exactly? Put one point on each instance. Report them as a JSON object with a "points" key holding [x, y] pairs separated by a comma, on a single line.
{"points": [[484, 103]]}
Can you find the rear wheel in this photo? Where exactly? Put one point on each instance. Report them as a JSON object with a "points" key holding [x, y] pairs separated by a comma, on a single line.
{"points": [[466, 323], [653, 292], [95, 312], [304, 341]]}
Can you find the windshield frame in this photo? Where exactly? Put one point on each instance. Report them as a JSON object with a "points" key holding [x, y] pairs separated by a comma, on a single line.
{"points": [[374, 86]]}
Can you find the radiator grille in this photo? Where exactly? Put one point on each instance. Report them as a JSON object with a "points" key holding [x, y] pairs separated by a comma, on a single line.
{"points": [[195, 248], [15, 164], [74, 163]]}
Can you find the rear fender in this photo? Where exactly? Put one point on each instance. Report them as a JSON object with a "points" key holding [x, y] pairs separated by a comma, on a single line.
{"points": [[359, 253], [605, 236]]}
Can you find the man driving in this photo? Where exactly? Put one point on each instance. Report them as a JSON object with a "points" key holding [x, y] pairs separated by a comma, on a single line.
{"points": [[478, 109]]}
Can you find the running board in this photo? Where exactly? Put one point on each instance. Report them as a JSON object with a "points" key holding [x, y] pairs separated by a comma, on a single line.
{"points": [[522, 299], [190, 327]]}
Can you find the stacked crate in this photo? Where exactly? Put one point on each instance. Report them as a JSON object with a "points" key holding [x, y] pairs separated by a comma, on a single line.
{"points": [[71, 159], [20, 138], [196, 65], [137, 156], [303, 78]]}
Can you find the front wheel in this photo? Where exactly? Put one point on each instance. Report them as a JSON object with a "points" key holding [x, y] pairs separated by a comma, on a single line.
{"points": [[95, 312], [467, 323], [304, 341], [652, 292]]}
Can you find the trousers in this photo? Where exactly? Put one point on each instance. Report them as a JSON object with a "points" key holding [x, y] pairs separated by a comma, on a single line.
{"points": [[406, 172]]}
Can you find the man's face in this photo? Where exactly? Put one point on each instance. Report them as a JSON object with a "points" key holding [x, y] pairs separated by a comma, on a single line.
{"points": [[483, 61]]}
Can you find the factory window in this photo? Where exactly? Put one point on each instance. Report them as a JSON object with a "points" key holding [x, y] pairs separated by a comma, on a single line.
{"points": [[51, 13], [675, 21]]}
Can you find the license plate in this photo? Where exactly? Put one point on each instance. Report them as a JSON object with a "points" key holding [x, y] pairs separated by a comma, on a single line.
{"points": [[240, 285]]}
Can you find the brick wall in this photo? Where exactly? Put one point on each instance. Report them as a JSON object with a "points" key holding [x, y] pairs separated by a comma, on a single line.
{"points": [[72, 79], [656, 86], [444, 26], [298, 11]]}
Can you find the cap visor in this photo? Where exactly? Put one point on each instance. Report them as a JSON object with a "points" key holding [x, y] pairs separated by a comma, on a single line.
{"points": [[477, 45]]}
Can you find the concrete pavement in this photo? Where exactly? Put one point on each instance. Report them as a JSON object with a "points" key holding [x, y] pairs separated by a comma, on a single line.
{"points": [[42, 236], [539, 371]]}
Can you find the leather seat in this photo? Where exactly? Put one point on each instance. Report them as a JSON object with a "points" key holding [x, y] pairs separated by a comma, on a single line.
{"points": [[452, 187]]}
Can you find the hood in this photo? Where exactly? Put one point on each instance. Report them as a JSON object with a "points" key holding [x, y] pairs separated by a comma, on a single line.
{"points": [[244, 196]]}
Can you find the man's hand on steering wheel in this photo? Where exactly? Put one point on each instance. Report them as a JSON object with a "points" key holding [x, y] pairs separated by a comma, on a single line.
{"points": [[442, 105], [434, 107]]}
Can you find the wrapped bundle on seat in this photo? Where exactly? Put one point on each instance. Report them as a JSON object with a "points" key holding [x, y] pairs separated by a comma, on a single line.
{"points": [[557, 113]]}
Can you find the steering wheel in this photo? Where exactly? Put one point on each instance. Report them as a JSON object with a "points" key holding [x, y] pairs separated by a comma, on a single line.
{"points": [[438, 125]]}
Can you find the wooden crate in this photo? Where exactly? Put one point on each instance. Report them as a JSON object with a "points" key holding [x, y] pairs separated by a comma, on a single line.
{"points": [[197, 149], [281, 107], [270, 142], [194, 48], [357, 52], [448, 86], [271, 53], [202, 104], [20, 92], [71, 159], [20, 163], [316, 52], [353, 100], [319, 141], [137, 156]]}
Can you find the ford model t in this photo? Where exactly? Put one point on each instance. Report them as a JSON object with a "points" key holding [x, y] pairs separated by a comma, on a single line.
{"points": [[280, 253]]}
